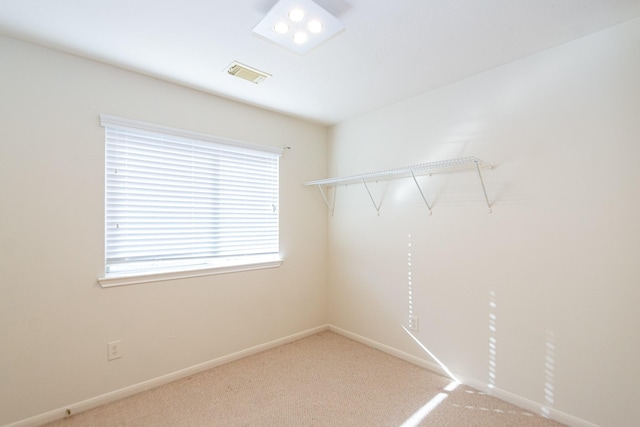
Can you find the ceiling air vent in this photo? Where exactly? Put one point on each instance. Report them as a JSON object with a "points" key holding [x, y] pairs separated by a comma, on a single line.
{"points": [[247, 73]]}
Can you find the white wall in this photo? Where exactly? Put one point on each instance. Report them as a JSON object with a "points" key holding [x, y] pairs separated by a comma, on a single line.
{"points": [[560, 254], [55, 320]]}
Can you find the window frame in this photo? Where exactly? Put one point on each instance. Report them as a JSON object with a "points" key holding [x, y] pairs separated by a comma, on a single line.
{"points": [[216, 266]]}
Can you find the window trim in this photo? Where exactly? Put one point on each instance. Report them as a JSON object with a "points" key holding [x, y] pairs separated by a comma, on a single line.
{"points": [[220, 266], [109, 281]]}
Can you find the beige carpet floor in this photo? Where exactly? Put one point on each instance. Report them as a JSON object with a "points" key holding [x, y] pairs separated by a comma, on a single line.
{"points": [[322, 380]]}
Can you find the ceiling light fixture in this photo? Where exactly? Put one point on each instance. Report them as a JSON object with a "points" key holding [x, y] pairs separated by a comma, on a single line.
{"points": [[299, 25]]}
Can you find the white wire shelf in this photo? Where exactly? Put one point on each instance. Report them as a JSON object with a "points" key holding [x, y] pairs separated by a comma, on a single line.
{"points": [[442, 166], [462, 164]]}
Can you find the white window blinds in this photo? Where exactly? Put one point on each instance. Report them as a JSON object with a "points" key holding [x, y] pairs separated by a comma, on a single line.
{"points": [[177, 199]]}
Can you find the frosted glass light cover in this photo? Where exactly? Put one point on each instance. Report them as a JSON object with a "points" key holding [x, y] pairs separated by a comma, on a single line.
{"points": [[315, 26], [300, 37], [281, 28], [296, 15]]}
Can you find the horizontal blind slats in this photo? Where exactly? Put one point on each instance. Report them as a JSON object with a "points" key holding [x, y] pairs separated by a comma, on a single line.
{"points": [[171, 198]]}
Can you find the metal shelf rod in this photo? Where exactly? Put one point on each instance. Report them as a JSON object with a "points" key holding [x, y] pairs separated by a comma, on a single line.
{"points": [[484, 189], [371, 197], [421, 193]]}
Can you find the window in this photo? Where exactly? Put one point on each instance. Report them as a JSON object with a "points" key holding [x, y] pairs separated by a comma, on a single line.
{"points": [[180, 203]]}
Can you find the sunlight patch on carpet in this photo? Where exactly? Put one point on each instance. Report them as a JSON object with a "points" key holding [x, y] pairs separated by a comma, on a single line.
{"points": [[422, 413]]}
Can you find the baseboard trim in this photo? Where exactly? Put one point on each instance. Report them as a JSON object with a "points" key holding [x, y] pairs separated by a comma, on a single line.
{"points": [[514, 399], [390, 350], [103, 399], [529, 405]]}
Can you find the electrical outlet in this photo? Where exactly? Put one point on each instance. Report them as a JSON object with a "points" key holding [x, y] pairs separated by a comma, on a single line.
{"points": [[114, 350], [413, 323]]}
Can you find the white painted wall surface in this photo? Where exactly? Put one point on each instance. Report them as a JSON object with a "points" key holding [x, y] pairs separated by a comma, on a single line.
{"points": [[559, 256], [55, 320]]}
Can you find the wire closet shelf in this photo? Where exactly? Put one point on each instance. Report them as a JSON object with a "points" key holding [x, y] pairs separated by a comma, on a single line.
{"points": [[462, 164]]}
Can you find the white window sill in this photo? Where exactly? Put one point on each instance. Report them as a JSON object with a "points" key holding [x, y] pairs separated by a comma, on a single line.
{"points": [[122, 279]]}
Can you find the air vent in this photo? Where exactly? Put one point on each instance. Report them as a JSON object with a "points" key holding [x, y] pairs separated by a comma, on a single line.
{"points": [[247, 73]]}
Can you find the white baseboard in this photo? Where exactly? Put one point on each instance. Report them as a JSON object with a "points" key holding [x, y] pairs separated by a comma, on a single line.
{"points": [[530, 405], [504, 395], [94, 402], [390, 350]]}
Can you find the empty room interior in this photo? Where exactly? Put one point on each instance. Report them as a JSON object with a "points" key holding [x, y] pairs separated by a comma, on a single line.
{"points": [[455, 186]]}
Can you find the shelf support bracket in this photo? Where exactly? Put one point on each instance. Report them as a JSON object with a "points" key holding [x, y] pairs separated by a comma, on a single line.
{"points": [[371, 197], [331, 206], [421, 192], [484, 190]]}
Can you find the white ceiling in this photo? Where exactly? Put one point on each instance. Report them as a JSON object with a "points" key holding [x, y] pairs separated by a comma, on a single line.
{"points": [[390, 50]]}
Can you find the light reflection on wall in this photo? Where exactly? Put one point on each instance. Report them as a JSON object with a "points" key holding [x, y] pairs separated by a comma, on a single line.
{"points": [[413, 320], [549, 365], [410, 320], [492, 339]]}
